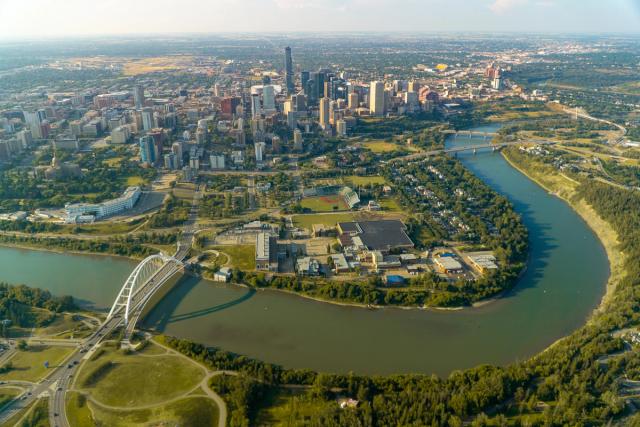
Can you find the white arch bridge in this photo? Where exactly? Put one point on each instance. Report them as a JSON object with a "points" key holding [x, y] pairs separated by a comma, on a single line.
{"points": [[148, 276]]}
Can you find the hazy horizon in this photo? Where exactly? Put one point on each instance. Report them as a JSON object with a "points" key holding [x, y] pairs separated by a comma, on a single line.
{"points": [[32, 19]]}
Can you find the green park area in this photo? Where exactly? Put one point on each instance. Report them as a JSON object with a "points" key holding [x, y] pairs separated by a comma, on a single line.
{"points": [[149, 387], [29, 364], [380, 146], [118, 379], [241, 256], [329, 203], [282, 405], [356, 181], [189, 411], [328, 219]]}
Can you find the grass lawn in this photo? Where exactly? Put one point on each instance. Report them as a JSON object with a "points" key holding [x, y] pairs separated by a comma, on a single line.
{"points": [[281, 406], [184, 190], [187, 412], [78, 412], [104, 228], [29, 365], [62, 323], [390, 205], [242, 256], [135, 180], [7, 394], [364, 180], [307, 221], [380, 146], [135, 380], [325, 203]]}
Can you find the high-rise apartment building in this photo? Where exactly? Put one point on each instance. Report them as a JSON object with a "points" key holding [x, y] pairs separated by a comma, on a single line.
{"points": [[147, 150], [324, 112], [376, 98], [288, 70], [138, 96]]}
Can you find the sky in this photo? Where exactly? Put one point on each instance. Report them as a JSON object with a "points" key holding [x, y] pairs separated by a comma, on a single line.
{"points": [[42, 18]]}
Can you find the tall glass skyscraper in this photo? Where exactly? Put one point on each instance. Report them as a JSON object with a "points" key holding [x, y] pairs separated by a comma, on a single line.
{"points": [[288, 70]]}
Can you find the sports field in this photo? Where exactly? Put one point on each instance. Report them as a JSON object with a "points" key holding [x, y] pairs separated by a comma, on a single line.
{"points": [[325, 203]]}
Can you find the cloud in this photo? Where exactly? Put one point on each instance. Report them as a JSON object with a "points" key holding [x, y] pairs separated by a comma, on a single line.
{"points": [[503, 6]]}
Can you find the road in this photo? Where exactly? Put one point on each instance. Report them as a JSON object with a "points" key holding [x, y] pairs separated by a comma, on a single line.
{"points": [[57, 383], [424, 154]]}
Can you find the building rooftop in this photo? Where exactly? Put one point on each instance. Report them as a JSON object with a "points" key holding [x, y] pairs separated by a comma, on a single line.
{"points": [[379, 234]]}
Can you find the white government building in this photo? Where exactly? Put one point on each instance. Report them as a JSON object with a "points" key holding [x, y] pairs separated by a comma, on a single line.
{"points": [[78, 212]]}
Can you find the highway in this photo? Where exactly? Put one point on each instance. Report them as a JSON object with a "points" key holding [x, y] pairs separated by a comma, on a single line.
{"points": [[59, 380]]}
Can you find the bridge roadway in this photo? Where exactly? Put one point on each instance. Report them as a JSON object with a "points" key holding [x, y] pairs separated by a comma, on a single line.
{"points": [[58, 382], [473, 147]]}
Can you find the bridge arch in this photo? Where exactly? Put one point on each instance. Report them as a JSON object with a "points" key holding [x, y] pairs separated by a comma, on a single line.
{"points": [[138, 277]]}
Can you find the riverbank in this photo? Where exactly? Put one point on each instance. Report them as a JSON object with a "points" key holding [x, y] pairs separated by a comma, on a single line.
{"points": [[63, 251], [564, 188]]}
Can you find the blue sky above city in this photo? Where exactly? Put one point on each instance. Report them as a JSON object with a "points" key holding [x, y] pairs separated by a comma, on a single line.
{"points": [[38, 18]]}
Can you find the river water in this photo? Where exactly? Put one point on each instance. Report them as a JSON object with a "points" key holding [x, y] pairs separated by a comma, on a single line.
{"points": [[564, 282]]}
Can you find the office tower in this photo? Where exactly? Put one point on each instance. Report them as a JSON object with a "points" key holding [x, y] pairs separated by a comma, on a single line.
{"points": [[148, 122], [413, 86], [176, 149], [25, 138], [297, 140], [341, 127], [34, 123], [324, 112], [292, 119], [276, 144], [353, 101], [259, 148], [268, 98], [147, 150], [333, 106], [170, 161], [376, 98], [299, 102], [229, 105], [138, 96], [217, 91], [255, 106], [217, 161], [304, 78], [288, 70]]}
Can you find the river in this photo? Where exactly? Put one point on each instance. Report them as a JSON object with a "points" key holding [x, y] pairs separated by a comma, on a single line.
{"points": [[564, 282]]}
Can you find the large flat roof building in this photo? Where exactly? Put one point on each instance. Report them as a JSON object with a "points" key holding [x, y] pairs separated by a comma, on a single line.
{"points": [[266, 252], [378, 235]]}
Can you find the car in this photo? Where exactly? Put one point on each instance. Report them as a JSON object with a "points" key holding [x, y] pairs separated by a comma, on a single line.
{"points": [[75, 362], [55, 414], [59, 388], [69, 366]]}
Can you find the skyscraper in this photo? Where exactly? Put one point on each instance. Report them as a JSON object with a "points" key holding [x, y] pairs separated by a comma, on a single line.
{"points": [[34, 122], [138, 96], [147, 119], [259, 147], [376, 98], [147, 150], [353, 100], [324, 112], [255, 106], [268, 98], [288, 70]]}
